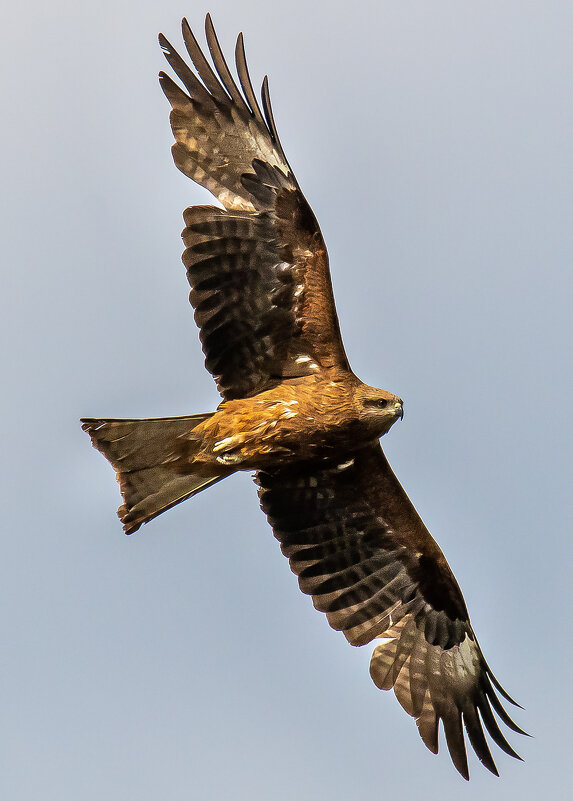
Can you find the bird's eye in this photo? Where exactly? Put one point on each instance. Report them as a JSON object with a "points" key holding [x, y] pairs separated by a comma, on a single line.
{"points": [[376, 403]]}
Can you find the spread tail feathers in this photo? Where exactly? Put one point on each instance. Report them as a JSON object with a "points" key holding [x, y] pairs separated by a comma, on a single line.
{"points": [[148, 456]]}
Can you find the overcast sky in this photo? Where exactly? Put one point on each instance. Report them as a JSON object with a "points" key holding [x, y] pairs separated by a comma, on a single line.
{"points": [[434, 143]]}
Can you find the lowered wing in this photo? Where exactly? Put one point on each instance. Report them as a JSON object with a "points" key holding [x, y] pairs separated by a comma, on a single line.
{"points": [[258, 267], [362, 552]]}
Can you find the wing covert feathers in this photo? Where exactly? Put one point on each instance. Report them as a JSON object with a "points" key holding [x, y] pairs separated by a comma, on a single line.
{"points": [[360, 550], [263, 301], [258, 268]]}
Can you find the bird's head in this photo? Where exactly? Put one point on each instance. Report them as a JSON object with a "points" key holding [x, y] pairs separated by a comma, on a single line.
{"points": [[378, 409]]}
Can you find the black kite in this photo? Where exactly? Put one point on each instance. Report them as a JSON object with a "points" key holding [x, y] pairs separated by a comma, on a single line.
{"points": [[295, 413]]}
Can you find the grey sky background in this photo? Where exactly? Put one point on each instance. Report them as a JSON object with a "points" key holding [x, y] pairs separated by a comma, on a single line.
{"points": [[433, 140]]}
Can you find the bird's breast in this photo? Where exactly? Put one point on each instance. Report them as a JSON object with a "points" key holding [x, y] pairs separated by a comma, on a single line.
{"points": [[285, 424]]}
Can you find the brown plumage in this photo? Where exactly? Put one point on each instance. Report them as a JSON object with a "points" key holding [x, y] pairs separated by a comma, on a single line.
{"points": [[294, 413]]}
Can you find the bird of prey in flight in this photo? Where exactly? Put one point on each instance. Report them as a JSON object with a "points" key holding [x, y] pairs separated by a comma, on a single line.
{"points": [[294, 413]]}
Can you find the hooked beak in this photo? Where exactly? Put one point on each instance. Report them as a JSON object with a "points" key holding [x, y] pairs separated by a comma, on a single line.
{"points": [[399, 409]]}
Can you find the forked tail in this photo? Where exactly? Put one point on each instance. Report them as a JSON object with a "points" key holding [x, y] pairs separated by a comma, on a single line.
{"points": [[154, 463]]}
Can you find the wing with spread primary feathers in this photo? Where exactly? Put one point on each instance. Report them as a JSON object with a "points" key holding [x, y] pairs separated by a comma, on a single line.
{"points": [[360, 549], [258, 267]]}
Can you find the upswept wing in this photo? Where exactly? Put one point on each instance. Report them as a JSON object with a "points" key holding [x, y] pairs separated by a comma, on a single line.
{"points": [[258, 268], [360, 549]]}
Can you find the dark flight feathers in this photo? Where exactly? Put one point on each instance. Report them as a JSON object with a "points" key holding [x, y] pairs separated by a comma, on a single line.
{"points": [[263, 302], [360, 549], [258, 268]]}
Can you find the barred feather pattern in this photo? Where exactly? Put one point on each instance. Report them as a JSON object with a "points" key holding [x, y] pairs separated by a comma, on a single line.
{"points": [[245, 300], [360, 550], [258, 269], [219, 129]]}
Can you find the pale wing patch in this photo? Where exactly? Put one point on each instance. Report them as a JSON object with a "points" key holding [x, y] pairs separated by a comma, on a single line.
{"points": [[436, 684], [404, 650], [218, 130]]}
